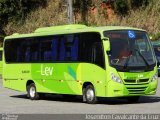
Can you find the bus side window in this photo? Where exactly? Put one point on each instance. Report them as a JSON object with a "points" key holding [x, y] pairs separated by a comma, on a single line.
{"points": [[20, 50], [34, 50], [88, 45], [62, 51], [47, 49], [27, 54], [17, 54], [74, 49], [69, 48], [54, 49], [97, 54]]}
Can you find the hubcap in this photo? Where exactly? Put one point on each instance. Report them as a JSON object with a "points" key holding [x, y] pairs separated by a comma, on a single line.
{"points": [[32, 91], [90, 94]]}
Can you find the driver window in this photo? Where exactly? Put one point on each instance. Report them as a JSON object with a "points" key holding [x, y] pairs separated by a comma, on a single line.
{"points": [[97, 54]]}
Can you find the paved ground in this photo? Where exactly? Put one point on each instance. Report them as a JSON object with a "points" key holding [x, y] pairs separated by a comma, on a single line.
{"points": [[14, 102]]}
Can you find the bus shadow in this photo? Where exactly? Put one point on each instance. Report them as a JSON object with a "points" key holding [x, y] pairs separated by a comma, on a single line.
{"points": [[24, 96], [120, 101], [78, 99], [54, 97]]}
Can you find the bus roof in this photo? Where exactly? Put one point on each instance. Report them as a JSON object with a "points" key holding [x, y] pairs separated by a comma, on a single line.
{"points": [[66, 29]]}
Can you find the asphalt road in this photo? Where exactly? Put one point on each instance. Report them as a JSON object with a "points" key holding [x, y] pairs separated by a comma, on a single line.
{"points": [[14, 102]]}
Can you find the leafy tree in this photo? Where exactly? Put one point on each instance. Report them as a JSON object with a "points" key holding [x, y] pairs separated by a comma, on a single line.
{"points": [[82, 6], [17, 9], [123, 6], [156, 36]]}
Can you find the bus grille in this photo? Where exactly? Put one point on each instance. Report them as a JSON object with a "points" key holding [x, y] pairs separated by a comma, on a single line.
{"points": [[136, 89], [136, 86], [136, 81]]}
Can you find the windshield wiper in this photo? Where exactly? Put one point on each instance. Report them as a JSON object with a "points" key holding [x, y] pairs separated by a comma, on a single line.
{"points": [[127, 60], [142, 57]]}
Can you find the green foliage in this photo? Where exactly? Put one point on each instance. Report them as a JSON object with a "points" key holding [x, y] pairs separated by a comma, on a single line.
{"points": [[156, 36], [17, 9], [82, 6], [123, 6]]}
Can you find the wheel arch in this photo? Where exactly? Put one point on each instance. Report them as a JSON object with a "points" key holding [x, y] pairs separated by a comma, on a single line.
{"points": [[29, 82], [85, 84]]}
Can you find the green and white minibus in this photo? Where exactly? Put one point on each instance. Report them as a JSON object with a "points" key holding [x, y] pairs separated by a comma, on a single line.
{"points": [[94, 62]]}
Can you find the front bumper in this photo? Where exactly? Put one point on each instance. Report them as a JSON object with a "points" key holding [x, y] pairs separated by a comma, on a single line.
{"points": [[115, 89]]}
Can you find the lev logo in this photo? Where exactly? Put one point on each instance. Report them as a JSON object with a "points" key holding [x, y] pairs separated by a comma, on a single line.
{"points": [[140, 76], [46, 71]]}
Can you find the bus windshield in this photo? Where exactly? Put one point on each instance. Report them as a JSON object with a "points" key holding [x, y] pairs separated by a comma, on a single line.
{"points": [[130, 50]]}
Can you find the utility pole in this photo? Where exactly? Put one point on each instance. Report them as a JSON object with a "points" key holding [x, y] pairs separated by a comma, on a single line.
{"points": [[70, 11]]}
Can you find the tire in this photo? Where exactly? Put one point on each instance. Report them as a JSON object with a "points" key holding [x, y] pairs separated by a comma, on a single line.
{"points": [[83, 95], [32, 93], [89, 95], [134, 99]]}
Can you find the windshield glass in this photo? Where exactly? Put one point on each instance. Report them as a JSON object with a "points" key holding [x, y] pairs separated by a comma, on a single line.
{"points": [[130, 50]]}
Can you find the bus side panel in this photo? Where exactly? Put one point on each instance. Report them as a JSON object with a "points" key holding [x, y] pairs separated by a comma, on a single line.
{"points": [[1, 67], [64, 78], [56, 78], [68, 78], [16, 75], [96, 75]]}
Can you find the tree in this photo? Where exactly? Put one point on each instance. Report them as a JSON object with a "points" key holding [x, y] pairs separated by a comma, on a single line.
{"points": [[17, 9]]}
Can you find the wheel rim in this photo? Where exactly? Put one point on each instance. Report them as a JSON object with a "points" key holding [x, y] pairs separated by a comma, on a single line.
{"points": [[90, 94], [32, 91]]}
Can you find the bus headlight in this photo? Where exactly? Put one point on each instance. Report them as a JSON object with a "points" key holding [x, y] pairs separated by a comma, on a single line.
{"points": [[155, 77], [115, 78]]}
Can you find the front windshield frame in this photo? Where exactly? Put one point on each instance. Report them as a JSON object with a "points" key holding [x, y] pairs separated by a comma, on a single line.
{"points": [[147, 64]]}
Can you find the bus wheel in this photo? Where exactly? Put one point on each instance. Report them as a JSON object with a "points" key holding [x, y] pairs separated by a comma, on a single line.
{"points": [[89, 95], [133, 99], [32, 93]]}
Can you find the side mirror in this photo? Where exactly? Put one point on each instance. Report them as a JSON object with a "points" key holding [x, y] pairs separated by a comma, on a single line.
{"points": [[106, 43]]}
